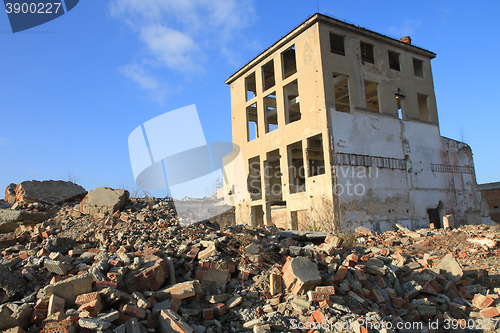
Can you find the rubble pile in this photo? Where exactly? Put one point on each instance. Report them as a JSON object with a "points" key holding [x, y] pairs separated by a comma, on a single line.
{"points": [[106, 263]]}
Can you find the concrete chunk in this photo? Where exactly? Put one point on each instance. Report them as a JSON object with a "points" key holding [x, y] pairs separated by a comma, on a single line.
{"points": [[69, 288], [180, 290], [300, 275], [452, 269], [104, 200], [48, 191], [171, 322]]}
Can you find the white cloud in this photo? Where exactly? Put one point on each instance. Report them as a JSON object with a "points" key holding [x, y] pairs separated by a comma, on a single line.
{"points": [[409, 27], [4, 141], [137, 73], [173, 48], [181, 36]]}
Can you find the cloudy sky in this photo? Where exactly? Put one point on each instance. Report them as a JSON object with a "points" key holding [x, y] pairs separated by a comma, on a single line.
{"points": [[73, 89]]}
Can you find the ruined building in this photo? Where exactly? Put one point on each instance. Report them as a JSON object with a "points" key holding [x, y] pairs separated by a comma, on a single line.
{"points": [[335, 109]]}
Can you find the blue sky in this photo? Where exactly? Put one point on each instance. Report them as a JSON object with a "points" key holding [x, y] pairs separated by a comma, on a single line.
{"points": [[73, 89]]}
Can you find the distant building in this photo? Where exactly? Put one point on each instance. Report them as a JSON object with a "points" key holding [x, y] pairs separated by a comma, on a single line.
{"points": [[335, 109], [491, 193]]}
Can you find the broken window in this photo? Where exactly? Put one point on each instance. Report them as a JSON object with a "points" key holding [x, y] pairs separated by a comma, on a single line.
{"points": [[341, 91], [394, 61], [252, 124], [254, 179], [288, 62], [399, 101], [250, 86], [300, 220], [292, 105], [315, 157], [296, 173], [273, 178], [371, 94], [423, 109], [418, 67], [268, 75], [367, 53], [270, 112], [257, 216], [337, 44]]}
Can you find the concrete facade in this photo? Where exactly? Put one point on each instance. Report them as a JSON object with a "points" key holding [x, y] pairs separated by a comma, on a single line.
{"points": [[334, 114]]}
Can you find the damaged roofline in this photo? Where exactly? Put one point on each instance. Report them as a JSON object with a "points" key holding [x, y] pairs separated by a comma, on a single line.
{"points": [[310, 21]]}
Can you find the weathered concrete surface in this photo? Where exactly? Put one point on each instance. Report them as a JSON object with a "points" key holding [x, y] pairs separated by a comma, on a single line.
{"points": [[7, 322], [59, 244], [451, 267], [10, 193], [313, 236], [68, 289], [48, 191], [300, 275], [11, 283], [104, 200], [11, 219]]}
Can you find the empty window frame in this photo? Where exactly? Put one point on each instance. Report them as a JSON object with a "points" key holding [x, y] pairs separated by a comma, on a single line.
{"points": [[337, 44], [254, 178], [315, 157], [399, 102], [252, 122], [423, 108], [341, 91], [418, 67], [394, 61], [367, 53], [270, 112], [268, 75], [288, 62], [273, 178], [371, 95], [296, 174], [250, 86], [292, 104]]}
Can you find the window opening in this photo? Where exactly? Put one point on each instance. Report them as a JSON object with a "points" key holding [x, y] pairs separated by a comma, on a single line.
{"points": [[341, 91], [252, 123], [250, 86], [367, 53], [337, 44], [371, 95], [270, 112], [288, 62], [296, 174], [292, 105], [315, 157], [268, 75]]}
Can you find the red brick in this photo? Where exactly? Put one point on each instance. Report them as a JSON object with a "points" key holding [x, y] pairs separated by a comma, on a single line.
{"points": [[481, 301], [398, 302], [133, 311], [86, 298], [208, 314], [91, 306], [490, 313], [221, 309], [340, 276]]}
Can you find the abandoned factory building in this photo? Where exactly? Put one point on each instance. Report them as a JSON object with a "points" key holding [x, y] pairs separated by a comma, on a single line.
{"points": [[333, 110]]}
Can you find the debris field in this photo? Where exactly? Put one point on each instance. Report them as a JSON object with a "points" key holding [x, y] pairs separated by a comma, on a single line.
{"points": [[73, 261]]}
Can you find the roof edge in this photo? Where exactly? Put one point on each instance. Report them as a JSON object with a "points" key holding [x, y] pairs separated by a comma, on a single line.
{"points": [[308, 22]]}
